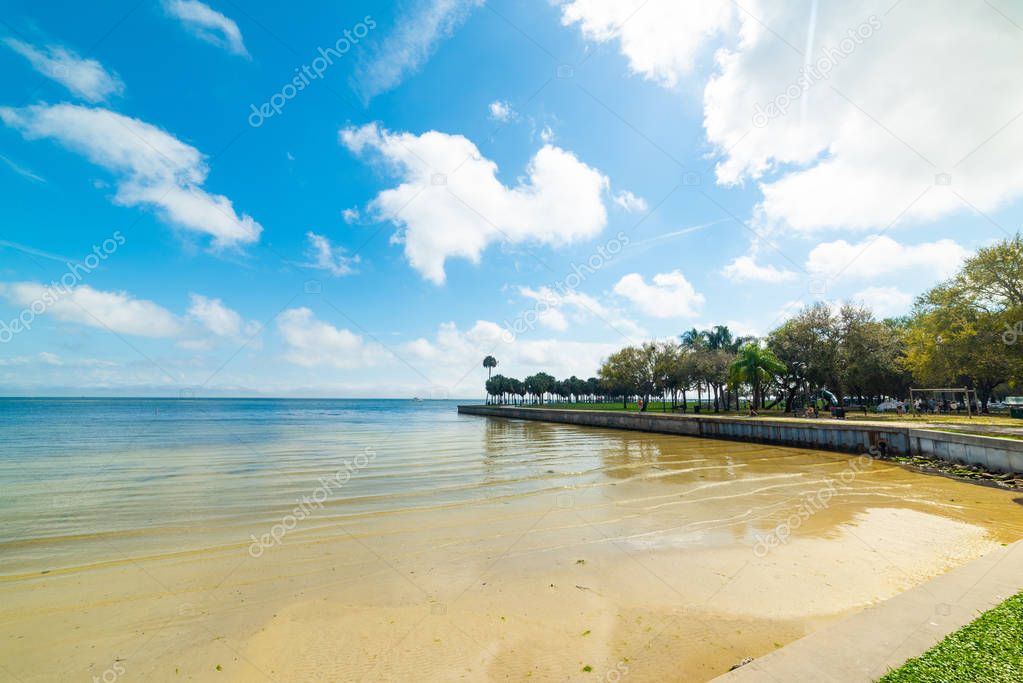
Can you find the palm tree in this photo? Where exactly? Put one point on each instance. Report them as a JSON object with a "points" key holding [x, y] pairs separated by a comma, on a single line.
{"points": [[694, 338], [755, 365], [720, 339], [489, 363]]}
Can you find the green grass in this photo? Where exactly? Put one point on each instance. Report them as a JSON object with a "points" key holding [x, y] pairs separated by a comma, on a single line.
{"points": [[990, 650], [659, 407], [653, 407]]}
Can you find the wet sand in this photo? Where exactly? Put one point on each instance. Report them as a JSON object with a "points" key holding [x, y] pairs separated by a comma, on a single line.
{"points": [[573, 554]]}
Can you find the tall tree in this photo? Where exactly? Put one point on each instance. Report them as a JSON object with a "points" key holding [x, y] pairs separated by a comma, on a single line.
{"points": [[965, 330], [630, 372]]}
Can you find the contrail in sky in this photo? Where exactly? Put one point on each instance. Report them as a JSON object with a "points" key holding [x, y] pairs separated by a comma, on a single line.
{"points": [[808, 58]]}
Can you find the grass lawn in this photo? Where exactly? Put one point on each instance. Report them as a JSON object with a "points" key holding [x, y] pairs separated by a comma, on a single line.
{"points": [[990, 650], [659, 407]]}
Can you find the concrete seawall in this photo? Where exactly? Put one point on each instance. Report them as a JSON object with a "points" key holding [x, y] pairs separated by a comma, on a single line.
{"points": [[995, 454]]}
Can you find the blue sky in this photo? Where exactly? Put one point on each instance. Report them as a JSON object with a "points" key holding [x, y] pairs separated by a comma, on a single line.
{"points": [[544, 181]]}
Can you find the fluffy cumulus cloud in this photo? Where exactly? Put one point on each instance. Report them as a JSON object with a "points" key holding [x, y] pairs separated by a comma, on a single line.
{"points": [[882, 255], [310, 342], [421, 27], [325, 256], [660, 38], [440, 365], [155, 168], [208, 24], [450, 203], [852, 118], [206, 321], [746, 269], [453, 355], [219, 320], [668, 295], [86, 78], [885, 301], [117, 312]]}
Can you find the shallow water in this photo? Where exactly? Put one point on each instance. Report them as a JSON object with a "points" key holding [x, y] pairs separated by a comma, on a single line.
{"points": [[397, 540]]}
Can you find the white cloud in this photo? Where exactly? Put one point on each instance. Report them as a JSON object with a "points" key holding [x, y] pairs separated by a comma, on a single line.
{"points": [[444, 364], [880, 255], [885, 302], [157, 169], [548, 311], [630, 202], [453, 356], [552, 307], [660, 38], [861, 146], [114, 311], [746, 269], [41, 358], [351, 215], [669, 296], [208, 24], [325, 256], [560, 200], [410, 44], [86, 78], [501, 111], [547, 135], [311, 342], [220, 320]]}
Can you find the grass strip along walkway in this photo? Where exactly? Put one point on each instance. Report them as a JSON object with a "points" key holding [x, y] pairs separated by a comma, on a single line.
{"points": [[990, 650]]}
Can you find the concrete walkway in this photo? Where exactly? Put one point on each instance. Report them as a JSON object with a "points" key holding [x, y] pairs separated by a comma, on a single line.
{"points": [[865, 646]]}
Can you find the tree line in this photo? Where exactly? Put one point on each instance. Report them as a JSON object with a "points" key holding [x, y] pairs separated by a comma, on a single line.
{"points": [[965, 332]]}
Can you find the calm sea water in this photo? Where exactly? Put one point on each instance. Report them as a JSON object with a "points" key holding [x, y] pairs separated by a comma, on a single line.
{"points": [[132, 531], [82, 480]]}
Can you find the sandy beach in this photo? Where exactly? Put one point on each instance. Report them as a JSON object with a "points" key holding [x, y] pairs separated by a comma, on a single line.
{"points": [[524, 551]]}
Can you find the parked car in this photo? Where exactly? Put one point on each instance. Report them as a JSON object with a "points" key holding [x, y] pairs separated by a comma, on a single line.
{"points": [[890, 406]]}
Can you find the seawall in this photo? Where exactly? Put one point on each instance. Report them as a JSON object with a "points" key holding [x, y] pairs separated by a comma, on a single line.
{"points": [[994, 454]]}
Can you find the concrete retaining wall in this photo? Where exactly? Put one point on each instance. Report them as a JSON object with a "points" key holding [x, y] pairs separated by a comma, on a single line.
{"points": [[997, 455]]}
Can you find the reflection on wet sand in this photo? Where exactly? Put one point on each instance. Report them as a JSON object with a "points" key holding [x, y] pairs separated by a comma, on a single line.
{"points": [[488, 549]]}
